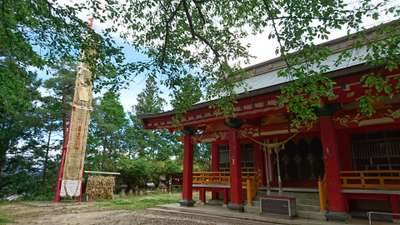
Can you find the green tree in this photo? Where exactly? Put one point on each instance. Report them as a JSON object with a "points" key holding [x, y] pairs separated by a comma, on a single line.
{"points": [[155, 145], [47, 33], [41, 35], [61, 88], [55, 113], [149, 100], [202, 157], [51, 124], [18, 94], [107, 131]]}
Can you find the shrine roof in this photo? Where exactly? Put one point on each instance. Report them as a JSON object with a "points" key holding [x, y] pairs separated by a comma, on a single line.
{"points": [[264, 76]]}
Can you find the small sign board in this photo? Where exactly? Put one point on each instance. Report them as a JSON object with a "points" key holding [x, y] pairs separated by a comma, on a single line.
{"points": [[283, 205]]}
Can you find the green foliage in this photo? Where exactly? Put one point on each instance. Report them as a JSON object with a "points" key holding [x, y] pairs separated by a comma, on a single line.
{"points": [[29, 123], [201, 38], [185, 34], [18, 93], [149, 101], [5, 219], [153, 145], [107, 129], [41, 35], [185, 95], [61, 89], [23, 176], [202, 157], [135, 173], [396, 114], [385, 52], [60, 34], [119, 144], [378, 83], [366, 104], [222, 91], [308, 87], [182, 37], [377, 89]]}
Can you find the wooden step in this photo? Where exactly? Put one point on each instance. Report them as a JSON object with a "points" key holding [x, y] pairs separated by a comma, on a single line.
{"points": [[252, 209], [293, 194], [307, 201], [311, 215], [305, 207]]}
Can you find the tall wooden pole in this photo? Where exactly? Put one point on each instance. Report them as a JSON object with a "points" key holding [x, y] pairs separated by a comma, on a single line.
{"points": [[69, 181]]}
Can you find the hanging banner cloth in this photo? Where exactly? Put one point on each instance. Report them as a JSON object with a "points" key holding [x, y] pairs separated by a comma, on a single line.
{"points": [[76, 147]]}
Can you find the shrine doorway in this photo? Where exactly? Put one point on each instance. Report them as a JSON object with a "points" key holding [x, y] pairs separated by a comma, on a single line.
{"points": [[301, 162]]}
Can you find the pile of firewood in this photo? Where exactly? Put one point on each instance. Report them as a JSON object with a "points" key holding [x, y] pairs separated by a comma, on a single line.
{"points": [[100, 187]]}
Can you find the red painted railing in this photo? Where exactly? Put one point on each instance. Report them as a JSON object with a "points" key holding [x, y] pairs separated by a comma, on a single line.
{"points": [[371, 179], [251, 181]]}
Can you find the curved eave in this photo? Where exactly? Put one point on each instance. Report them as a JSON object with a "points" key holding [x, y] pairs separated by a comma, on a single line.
{"points": [[261, 91]]}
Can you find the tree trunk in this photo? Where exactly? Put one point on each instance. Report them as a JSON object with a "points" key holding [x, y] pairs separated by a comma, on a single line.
{"points": [[2, 163], [46, 157], [3, 153]]}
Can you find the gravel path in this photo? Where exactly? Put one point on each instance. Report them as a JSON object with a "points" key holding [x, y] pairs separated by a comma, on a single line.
{"points": [[87, 214]]}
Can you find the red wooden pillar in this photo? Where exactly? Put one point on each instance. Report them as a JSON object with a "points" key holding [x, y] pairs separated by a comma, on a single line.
{"points": [[235, 172], [394, 203], [346, 157], [187, 171], [214, 165], [202, 195], [336, 200], [226, 196]]}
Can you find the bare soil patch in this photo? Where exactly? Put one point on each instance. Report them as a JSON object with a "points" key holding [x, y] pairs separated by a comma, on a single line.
{"points": [[90, 214]]}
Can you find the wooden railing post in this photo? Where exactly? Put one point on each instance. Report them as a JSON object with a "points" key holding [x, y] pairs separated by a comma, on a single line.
{"points": [[322, 195], [249, 192], [251, 182], [362, 179]]}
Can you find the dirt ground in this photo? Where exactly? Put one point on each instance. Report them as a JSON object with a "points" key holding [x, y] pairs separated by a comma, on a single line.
{"points": [[89, 214]]}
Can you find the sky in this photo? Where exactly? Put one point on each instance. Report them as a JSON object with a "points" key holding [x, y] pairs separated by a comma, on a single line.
{"points": [[260, 47], [128, 97]]}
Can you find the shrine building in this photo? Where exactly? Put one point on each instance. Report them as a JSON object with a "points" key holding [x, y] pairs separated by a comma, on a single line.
{"points": [[347, 162]]}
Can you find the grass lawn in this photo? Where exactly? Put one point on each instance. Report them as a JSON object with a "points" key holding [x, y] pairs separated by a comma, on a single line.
{"points": [[140, 202], [4, 219]]}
